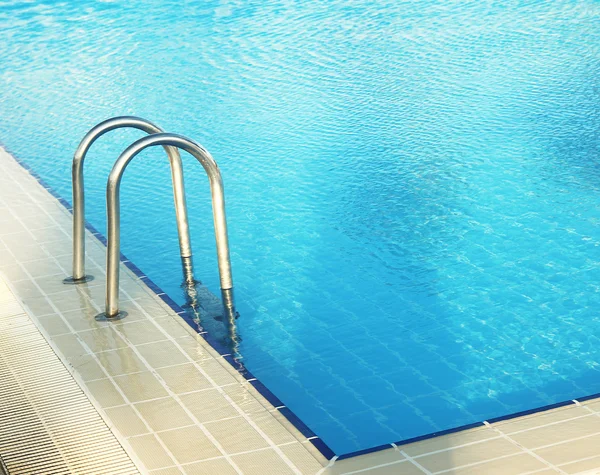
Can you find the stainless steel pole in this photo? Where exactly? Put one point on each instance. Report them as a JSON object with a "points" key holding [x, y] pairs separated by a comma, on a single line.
{"points": [[114, 222], [79, 275]]}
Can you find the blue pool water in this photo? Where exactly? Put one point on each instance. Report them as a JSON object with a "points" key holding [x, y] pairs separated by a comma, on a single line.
{"points": [[413, 188]]}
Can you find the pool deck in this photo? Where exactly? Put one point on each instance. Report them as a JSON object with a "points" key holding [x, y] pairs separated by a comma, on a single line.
{"points": [[167, 403]]}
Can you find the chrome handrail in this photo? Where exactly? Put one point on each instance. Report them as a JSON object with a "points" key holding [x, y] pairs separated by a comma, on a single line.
{"points": [[79, 275], [113, 206]]}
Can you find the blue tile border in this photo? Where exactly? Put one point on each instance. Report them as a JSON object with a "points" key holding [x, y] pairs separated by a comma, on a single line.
{"points": [[587, 398], [366, 451], [531, 411], [224, 352]]}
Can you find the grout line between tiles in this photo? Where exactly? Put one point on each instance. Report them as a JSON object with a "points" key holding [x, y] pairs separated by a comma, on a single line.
{"points": [[549, 424], [535, 471], [474, 464], [446, 449], [566, 441], [328, 466], [523, 448], [88, 351], [413, 461], [368, 469], [584, 459], [460, 446], [169, 337], [211, 381], [42, 338]]}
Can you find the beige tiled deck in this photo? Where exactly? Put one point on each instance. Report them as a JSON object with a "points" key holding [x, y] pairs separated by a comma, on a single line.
{"points": [[178, 407], [47, 424]]}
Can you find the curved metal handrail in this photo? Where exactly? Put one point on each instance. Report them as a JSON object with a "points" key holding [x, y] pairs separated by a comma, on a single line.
{"points": [[114, 220], [79, 275]]}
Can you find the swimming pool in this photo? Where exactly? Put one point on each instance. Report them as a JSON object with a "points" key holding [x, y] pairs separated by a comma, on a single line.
{"points": [[412, 190]]}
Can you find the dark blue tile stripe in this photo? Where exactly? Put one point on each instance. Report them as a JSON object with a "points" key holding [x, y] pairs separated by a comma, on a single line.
{"points": [[323, 448], [269, 396], [260, 387], [531, 411], [587, 398], [294, 419], [365, 451]]}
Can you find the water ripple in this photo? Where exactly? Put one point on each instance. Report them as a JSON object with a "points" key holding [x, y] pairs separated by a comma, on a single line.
{"points": [[412, 187]]}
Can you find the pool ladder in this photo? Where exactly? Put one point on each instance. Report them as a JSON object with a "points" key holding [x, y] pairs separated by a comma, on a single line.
{"points": [[171, 143]]}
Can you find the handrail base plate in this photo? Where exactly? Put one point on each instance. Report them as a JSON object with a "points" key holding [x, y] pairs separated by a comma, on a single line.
{"points": [[81, 280], [103, 317]]}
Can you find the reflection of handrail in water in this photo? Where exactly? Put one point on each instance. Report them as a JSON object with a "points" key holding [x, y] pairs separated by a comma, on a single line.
{"points": [[190, 290]]}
